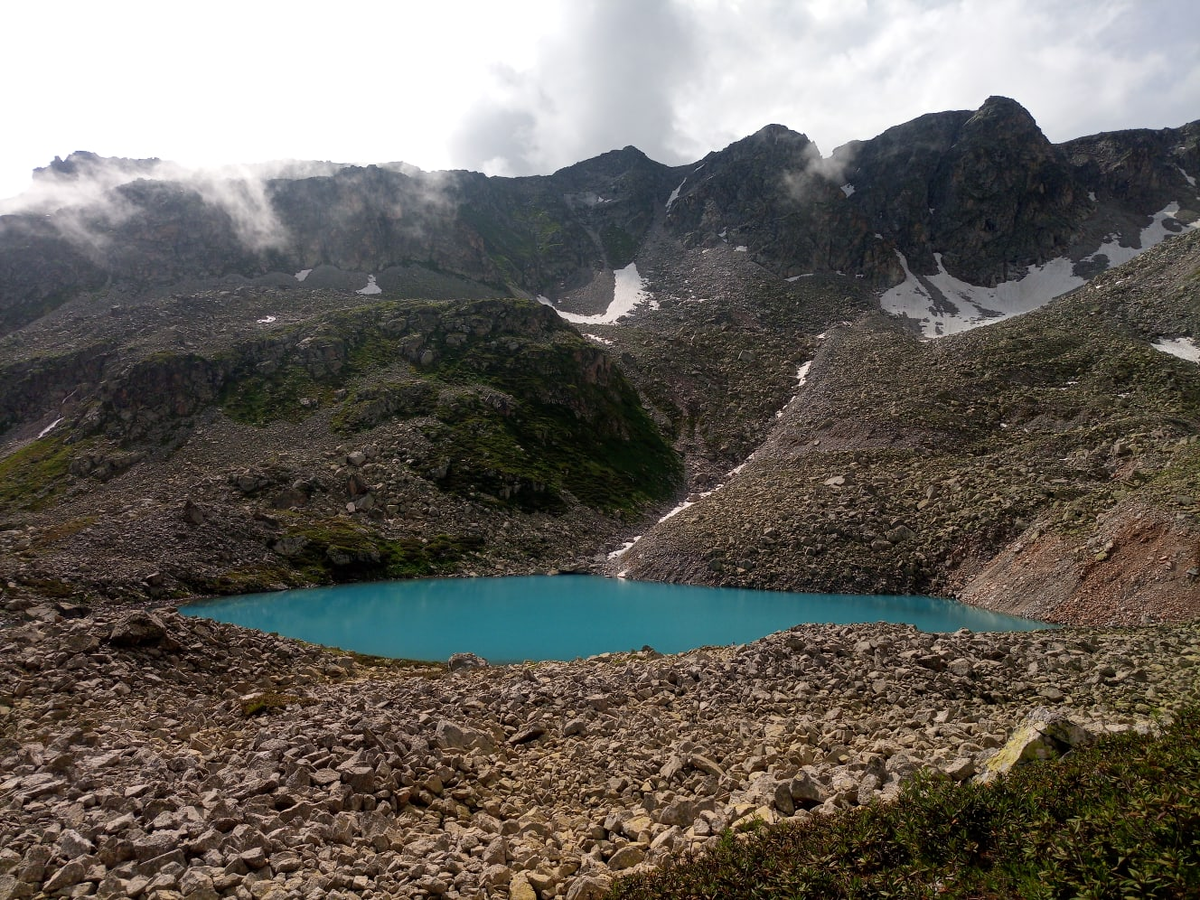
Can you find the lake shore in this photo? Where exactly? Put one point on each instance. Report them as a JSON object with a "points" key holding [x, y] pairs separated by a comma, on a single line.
{"points": [[518, 619], [148, 754]]}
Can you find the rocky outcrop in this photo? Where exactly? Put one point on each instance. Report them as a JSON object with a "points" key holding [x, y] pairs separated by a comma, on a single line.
{"points": [[983, 189], [986, 189], [230, 762], [1144, 168], [773, 195]]}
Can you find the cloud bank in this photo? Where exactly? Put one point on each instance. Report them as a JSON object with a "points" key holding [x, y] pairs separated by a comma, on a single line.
{"points": [[679, 78], [527, 88]]}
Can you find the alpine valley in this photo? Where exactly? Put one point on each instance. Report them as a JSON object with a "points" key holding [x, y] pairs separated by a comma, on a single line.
{"points": [[954, 359]]}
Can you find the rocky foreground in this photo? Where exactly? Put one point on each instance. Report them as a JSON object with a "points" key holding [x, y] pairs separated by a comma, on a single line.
{"points": [[145, 754]]}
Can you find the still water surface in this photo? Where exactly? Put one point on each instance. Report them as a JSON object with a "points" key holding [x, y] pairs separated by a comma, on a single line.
{"points": [[541, 617]]}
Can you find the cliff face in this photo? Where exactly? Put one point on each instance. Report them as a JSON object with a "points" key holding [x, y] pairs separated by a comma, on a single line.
{"points": [[998, 195], [772, 194], [1146, 168]]}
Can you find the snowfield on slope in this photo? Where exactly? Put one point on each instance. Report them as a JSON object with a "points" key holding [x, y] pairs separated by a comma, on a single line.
{"points": [[943, 304], [629, 292], [1185, 348]]}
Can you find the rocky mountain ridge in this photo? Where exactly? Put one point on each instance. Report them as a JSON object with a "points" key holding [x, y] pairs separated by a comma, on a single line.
{"points": [[985, 189]]}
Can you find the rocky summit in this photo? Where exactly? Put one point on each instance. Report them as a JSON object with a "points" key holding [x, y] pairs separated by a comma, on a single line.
{"points": [[150, 755], [953, 359]]}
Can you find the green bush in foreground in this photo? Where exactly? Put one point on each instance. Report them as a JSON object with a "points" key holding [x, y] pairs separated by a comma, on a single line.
{"points": [[1118, 820]]}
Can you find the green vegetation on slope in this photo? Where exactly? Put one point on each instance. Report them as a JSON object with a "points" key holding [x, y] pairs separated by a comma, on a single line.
{"points": [[33, 475], [335, 550], [573, 424], [524, 409], [1120, 819]]}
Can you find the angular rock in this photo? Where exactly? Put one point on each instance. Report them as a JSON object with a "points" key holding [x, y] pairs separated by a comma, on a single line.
{"points": [[589, 887], [1046, 734], [459, 661], [136, 629], [450, 736], [627, 857], [806, 791], [73, 844]]}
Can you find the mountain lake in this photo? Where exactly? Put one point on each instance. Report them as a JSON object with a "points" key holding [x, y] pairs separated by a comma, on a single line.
{"points": [[563, 617]]}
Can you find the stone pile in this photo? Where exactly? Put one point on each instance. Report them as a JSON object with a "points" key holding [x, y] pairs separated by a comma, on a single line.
{"points": [[145, 754]]}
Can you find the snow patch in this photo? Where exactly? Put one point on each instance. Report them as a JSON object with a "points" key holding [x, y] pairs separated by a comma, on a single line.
{"points": [[943, 304], [847, 189], [741, 248], [1184, 348], [629, 292], [1092, 196], [798, 277], [265, 320], [371, 288], [625, 546], [302, 274], [599, 340], [1154, 233], [801, 380], [1190, 180], [675, 194], [49, 428]]}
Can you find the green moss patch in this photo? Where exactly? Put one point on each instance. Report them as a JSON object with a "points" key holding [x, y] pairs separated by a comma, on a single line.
{"points": [[338, 550], [33, 476], [269, 701]]}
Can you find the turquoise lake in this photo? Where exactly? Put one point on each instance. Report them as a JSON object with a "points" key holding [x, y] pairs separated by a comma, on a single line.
{"points": [[508, 620]]}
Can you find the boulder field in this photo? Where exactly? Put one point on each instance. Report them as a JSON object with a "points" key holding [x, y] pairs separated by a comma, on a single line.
{"points": [[147, 754]]}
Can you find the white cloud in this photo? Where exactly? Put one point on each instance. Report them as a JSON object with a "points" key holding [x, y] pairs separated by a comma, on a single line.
{"points": [[535, 85]]}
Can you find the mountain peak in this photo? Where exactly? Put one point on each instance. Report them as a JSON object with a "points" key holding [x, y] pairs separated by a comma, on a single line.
{"points": [[611, 163], [82, 163], [775, 134], [1004, 111]]}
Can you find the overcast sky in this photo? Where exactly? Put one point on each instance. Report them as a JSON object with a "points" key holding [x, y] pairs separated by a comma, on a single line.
{"points": [[528, 86]]}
